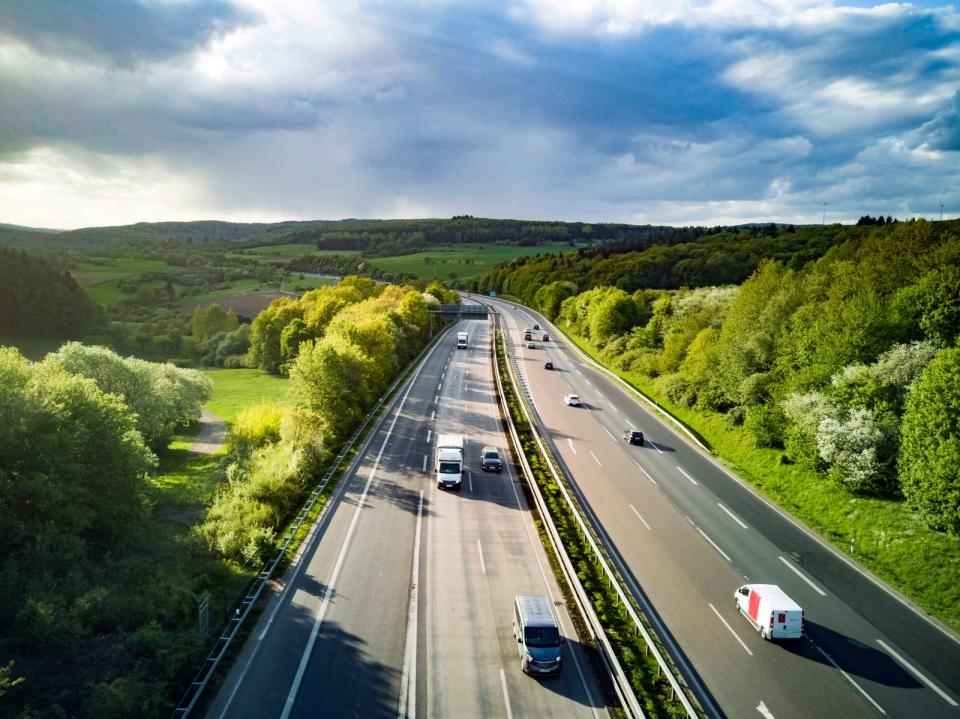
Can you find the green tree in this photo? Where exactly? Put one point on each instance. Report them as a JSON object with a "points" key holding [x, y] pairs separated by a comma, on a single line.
{"points": [[330, 376], [210, 320], [930, 443]]}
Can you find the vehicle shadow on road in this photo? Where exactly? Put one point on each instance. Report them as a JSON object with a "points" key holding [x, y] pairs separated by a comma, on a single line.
{"points": [[399, 495], [853, 657], [567, 683]]}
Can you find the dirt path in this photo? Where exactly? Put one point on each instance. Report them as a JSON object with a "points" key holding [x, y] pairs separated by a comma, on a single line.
{"points": [[213, 431]]}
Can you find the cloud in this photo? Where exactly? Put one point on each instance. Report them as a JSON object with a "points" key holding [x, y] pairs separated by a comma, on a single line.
{"points": [[593, 110], [123, 31]]}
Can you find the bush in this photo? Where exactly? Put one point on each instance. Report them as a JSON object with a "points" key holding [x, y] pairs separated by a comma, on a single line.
{"points": [[765, 423], [254, 427]]}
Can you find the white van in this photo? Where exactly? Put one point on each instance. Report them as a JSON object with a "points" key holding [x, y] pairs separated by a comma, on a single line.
{"points": [[537, 634], [770, 610]]}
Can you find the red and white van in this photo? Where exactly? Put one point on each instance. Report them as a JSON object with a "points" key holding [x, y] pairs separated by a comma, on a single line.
{"points": [[770, 610]]}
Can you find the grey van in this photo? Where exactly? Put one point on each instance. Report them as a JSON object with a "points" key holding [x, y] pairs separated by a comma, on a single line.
{"points": [[537, 634]]}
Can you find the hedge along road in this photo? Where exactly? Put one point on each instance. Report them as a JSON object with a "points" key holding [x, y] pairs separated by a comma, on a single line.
{"points": [[402, 601], [689, 534]]}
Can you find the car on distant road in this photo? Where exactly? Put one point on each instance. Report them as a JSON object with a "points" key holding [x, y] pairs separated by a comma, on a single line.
{"points": [[531, 346], [546, 337], [490, 460], [548, 365], [572, 400], [536, 327], [527, 336], [633, 436]]}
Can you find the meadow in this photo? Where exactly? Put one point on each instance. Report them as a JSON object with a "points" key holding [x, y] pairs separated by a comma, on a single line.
{"points": [[464, 260], [234, 389]]}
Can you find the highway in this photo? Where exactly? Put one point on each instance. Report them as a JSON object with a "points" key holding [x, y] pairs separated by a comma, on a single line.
{"points": [[686, 533], [401, 603]]}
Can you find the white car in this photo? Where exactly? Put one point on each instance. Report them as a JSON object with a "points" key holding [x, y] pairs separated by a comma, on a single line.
{"points": [[572, 400]]}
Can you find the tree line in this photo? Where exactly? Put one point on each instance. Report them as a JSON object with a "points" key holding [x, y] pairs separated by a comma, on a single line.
{"points": [[341, 346], [849, 364], [666, 259], [38, 300]]}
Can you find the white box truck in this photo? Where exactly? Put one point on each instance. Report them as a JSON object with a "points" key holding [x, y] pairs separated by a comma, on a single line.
{"points": [[449, 466], [770, 610], [462, 340]]}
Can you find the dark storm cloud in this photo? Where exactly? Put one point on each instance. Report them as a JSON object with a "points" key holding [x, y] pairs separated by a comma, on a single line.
{"points": [[125, 31]]}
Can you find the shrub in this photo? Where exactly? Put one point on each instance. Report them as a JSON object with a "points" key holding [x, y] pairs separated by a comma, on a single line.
{"points": [[254, 427]]}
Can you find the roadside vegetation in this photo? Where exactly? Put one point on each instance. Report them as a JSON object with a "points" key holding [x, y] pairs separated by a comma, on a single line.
{"points": [[834, 387]]}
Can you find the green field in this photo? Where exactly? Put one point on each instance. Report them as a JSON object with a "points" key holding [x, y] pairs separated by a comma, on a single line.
{"points": [[464, 260], [101, 281], [33, 348], [285, 252], [234, 389], [237, 287], [296, 283]]}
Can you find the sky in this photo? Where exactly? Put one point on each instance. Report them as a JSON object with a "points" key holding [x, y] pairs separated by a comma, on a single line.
{"points": [[679, 112]]}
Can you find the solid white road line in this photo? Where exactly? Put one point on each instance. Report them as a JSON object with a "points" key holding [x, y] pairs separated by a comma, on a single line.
{"points": [[322, 611], [608, 433], [506, 697], [408, 679], [845, 675], [803, 577], [483, 566], [639, 517], [429, 434], [734, 517], [433, 414], [645, 473], [681, 470], [724, 554], [572, 448], [595, 458], [916, 672], [730, 629]]}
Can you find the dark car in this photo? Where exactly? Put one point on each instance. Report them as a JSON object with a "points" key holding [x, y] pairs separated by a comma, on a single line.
{"points": [[536, 327], [633, 436], [546, 337], [527, 336], [490, 460], [548, 365]]}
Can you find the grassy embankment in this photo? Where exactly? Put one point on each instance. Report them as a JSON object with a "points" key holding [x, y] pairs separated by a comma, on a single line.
{"points": [[650, 686], [465, 260], [890, 540]]}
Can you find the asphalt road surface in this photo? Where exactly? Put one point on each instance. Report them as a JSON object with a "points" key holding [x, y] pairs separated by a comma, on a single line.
{"points": [[687, 534], [401, 604]]}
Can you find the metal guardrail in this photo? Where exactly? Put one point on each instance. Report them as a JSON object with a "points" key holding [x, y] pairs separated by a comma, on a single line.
{"points": [[212, 662], [587, 531]]}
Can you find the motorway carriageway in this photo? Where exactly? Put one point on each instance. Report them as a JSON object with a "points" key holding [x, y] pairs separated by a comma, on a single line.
{"points": [[687, 533], [401, 602]]}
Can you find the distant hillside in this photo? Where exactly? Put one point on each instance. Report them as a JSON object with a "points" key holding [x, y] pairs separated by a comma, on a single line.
{"points": [[383, 237]]}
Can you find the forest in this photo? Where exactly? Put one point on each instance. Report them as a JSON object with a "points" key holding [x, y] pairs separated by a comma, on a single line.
{"points": [[848, 364]]}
